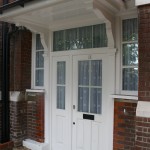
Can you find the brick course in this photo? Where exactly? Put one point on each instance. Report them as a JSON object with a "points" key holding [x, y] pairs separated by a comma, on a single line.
{"points": [[7, 146], [124, 125]]}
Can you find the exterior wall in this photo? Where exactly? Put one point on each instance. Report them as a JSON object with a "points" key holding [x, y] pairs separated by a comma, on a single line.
{"points": [[18, 119], [124, 125], [20, 58], [142, 121], [35, 116], [7, 146]]}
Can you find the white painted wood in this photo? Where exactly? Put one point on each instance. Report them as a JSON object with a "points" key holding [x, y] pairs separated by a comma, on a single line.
{"points": [[141, 2], [143, 109], [61, 124], [124, 97], [102, 126]]}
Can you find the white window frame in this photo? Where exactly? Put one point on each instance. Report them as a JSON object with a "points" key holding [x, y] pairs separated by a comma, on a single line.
{"points": [[33, 70], [125, 92]]}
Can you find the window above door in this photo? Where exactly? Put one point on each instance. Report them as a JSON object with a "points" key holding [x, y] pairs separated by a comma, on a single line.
{"points": [[80, 38]]}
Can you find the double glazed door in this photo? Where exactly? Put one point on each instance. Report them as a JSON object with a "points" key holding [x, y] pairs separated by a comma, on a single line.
{"points": [[81, 108]]}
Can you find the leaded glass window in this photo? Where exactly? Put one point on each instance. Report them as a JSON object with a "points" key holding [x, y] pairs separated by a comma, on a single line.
{"points": [[130, 55], [80, 38]]}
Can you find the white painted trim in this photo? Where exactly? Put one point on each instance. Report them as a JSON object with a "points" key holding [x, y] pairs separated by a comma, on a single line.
{"points": [[33, 145], [143, 109], [14, 96], [141, 2], [124, 97], [35, 90]]}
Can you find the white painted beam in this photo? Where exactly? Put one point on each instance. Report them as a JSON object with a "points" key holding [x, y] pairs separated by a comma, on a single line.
{"points": [[142, 2]]}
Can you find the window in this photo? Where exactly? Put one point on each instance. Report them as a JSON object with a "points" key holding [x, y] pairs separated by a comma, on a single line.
{"points": [[80, 38], [90, 86], [39, 63], [130, 55]]}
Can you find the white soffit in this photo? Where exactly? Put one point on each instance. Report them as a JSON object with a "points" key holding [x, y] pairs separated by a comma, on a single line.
{"points": [[142, 2]]}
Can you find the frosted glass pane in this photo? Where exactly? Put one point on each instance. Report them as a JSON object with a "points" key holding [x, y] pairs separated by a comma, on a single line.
{"points": [[71, 37], [130, 54], [61, 72], [96, 100], [39, 77], [96, 73], [85, 37], [60, 97], [83, 99], [130, 29], [39, 45], [59, 41], [130, 79], [99, 36], [83, 73], [39, 59]]}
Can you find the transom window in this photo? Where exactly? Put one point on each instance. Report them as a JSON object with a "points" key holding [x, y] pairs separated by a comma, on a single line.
{"points": [[90, 86], [39, 62], [80, 38], [129, 55]]}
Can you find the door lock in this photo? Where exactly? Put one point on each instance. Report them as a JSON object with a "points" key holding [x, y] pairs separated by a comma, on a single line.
{"points": [[74, 123], [74, 107]]}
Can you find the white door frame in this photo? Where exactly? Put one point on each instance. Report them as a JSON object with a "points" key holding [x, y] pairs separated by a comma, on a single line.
{"points": [[110, 54]]}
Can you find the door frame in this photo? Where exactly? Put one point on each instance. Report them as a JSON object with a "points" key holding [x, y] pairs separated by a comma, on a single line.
{"points": [[110, 54]]}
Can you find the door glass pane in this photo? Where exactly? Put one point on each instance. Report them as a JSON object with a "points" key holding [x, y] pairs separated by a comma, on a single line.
{"points": [[61, 81], [130, 54], [96, 100], [96, 73], [39, 77], [60, 97], [130, 79], [83, 99], [83, 73], [61, 72]]}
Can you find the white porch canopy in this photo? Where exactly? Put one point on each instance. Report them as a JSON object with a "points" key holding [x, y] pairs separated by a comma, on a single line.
{"points": [[42, 16]]}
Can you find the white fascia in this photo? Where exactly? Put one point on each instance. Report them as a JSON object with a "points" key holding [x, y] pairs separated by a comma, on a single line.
{"points": [[142, 2], [17, 11]]}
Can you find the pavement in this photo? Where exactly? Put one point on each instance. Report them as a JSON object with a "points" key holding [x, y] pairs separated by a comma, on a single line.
{"points": [[21, 148]]}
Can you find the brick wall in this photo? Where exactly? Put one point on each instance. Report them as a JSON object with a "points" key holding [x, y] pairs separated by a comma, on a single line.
{"points": [[20, 58], [18, 119], [35, 116], [143, 123], [124, 125]]}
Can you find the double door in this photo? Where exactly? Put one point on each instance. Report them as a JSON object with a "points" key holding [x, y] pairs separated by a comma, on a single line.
{"points": [[82, 112]]}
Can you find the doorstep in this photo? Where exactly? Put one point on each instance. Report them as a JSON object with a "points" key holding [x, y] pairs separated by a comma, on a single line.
{"points": [[33, 145]]}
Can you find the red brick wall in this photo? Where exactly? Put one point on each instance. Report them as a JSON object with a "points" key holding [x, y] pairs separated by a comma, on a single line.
{"points": [[35, 116], [143, 124], [18, 119], [7, 146], [124, 125], [20, 61], [144, 53]]}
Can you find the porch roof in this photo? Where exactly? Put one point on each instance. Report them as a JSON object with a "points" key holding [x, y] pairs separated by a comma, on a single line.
{"points": [[60, 14]]}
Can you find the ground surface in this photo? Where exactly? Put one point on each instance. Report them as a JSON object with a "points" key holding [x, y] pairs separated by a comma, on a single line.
{"points": [[21, 148]]}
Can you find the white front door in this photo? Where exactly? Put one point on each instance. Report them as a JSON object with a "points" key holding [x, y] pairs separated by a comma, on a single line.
{"points": [[82, 107], [61, 104]]}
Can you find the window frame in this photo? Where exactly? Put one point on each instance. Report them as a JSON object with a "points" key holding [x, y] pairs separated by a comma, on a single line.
{"points": [[33, 70], [125, 92]]}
